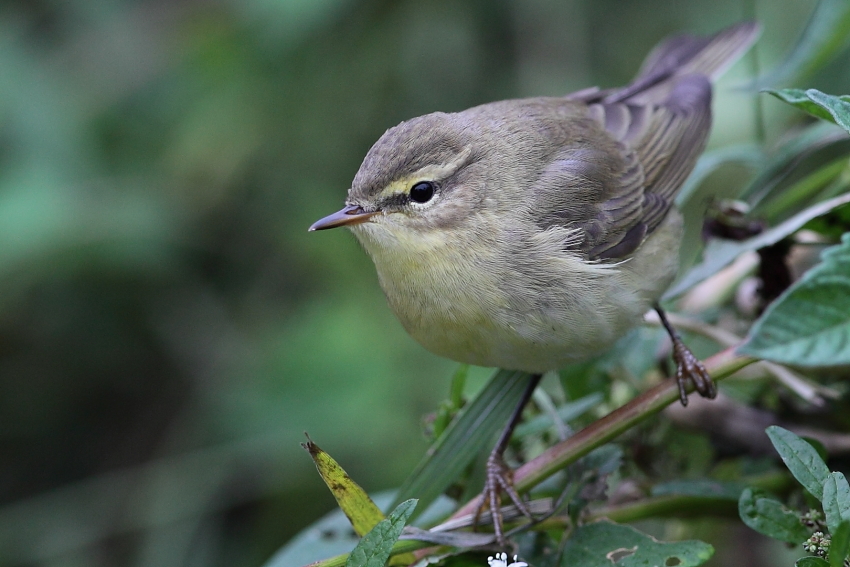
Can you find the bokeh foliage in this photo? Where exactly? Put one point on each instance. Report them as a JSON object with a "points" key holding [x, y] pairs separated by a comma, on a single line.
{"points": [[167, 326]]}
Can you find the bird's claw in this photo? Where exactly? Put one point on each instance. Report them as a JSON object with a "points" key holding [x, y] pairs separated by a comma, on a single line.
{"points": [[689, 368], [499, 479]]}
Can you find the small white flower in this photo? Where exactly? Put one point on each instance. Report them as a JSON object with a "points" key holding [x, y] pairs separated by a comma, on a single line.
{"points": [[501, 560]]}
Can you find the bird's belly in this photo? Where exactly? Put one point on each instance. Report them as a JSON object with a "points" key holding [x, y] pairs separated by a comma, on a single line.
{"points": [[541, 314], [480, 322], [533, 342]]}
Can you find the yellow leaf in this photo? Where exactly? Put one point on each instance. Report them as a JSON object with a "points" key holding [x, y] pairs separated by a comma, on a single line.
{"points": [[353, 500]]}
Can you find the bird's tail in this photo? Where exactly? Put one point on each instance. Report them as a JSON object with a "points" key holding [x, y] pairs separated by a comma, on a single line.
{"points": [[683, 55]]}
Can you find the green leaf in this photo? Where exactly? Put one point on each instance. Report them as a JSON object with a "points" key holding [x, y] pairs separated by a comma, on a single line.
{"points": [[837, 106], [809, 324], [836, 500], [811, 562], [839, 545], [361, 511], [375, 547], [801, 459], [764, 514], [827, 33], [468, 435], [835, 109], [807, 184], [603, 544], [800, 99], [808, 150], [720, 252]]}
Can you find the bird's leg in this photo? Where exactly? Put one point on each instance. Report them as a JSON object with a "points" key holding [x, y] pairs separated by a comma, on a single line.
{"points": [[499, 475], [688, 366]]}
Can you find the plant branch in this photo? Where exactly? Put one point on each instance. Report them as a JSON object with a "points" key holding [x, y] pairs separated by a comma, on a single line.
{"points": [[720, 366]]}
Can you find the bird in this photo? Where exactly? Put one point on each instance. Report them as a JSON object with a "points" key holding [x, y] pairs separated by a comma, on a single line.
{"points": [[528, 234]]}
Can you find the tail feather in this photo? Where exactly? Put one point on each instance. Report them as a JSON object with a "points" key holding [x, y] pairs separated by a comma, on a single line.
{"points": [[683, 55]]}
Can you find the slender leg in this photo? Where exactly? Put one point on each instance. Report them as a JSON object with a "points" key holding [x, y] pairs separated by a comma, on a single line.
{"points": [[499, 475], [688, 366]]}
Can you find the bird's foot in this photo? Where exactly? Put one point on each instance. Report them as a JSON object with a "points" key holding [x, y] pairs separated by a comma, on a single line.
{"points": [[689, 368], [500, 478]]}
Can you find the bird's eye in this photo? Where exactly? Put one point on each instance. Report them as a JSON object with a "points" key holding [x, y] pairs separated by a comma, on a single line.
{"points": [[422, 192]]}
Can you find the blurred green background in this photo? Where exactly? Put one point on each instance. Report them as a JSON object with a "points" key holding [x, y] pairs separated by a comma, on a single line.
{"points": [[168, 328]]}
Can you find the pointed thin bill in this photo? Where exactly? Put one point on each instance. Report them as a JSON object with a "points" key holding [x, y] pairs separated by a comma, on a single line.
{"points": [[351, 214]]}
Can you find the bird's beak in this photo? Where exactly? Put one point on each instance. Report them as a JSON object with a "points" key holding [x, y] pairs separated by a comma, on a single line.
{"points": [[352, 214]]}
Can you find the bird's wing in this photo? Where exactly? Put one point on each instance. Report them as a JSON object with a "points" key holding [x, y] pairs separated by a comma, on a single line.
{"points": [[664, 141], [615, 185], [652, 133]]}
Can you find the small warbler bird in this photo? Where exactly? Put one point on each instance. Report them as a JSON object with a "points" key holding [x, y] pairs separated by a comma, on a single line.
{"points": [[528, 234]]}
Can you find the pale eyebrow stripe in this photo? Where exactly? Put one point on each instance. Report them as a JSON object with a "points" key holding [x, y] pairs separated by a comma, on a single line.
{"points": [[431, 172]]}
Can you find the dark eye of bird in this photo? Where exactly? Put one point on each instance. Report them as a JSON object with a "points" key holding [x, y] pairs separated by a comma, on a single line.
{"points": [[422, 192]]}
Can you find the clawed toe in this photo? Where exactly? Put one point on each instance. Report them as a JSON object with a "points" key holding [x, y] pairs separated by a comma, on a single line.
{"points": [[499, 479], [689, 368]]}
